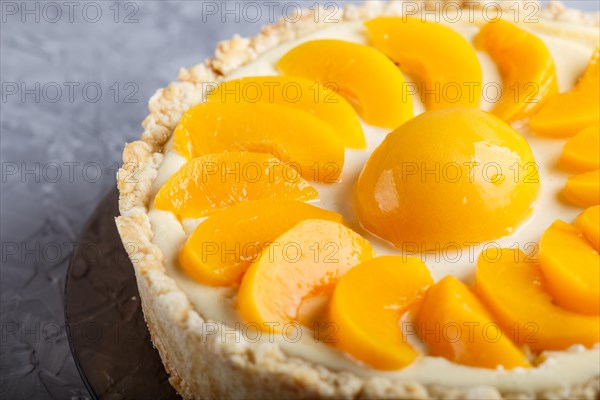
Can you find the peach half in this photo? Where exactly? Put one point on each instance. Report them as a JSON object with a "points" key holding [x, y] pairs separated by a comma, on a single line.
{"points": [[457, 175]]}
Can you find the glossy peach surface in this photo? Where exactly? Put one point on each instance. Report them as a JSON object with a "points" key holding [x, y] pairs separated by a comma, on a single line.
{"points": [[222, 247], [526, 66], [514, 290], [455, 325], [364, 76], [290, 134], [367, 305], [449, 176], [442, 61], [214, 182], [295, 92], [565, 114], [571, 266], [309, 258]]}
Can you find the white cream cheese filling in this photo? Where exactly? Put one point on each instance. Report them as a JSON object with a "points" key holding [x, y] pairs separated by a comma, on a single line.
{"points": [[218, 304]]}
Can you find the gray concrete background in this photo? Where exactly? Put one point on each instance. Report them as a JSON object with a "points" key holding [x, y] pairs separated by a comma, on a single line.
{"points": [[75, 78]]}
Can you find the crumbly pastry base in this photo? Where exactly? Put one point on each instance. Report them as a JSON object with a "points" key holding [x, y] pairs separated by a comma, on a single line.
{"points": [[205, 366]]}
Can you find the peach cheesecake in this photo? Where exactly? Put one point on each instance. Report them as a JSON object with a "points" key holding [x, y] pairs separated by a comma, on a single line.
{"points": [[403, 203]]}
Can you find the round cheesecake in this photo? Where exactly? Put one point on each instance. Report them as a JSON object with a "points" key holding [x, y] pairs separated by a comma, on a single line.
{"points": [[198, 329]]}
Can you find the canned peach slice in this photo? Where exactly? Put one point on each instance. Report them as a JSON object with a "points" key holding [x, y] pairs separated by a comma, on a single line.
{"points": [[526, 67], [369, 80], [583, 190], [565, 114], [292, 135], [571, 266], [223, 246], [588, 222], [304, 261], [582, 151], [441, 60], [455, 325], [214, 182], [299, 93], [515, 290], [368, 304]]}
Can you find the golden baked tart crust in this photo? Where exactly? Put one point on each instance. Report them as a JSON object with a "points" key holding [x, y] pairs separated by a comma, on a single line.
{"points": [[210, 366]]}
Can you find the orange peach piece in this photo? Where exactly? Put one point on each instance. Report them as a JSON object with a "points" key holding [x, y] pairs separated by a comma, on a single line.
{"points": [[456, 326], [588, 222], [214, 182], [514, 290], [583, 190], [364, 76], [300, 93], [526, 66], [571, 266], [565, 114], [222, 247], [367, 305], [290, 134], [401, 198], [582, 151], [307, 259], [437, 56]]}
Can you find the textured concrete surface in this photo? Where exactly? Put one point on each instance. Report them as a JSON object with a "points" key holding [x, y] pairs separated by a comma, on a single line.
{"points": [[75, 78]]}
